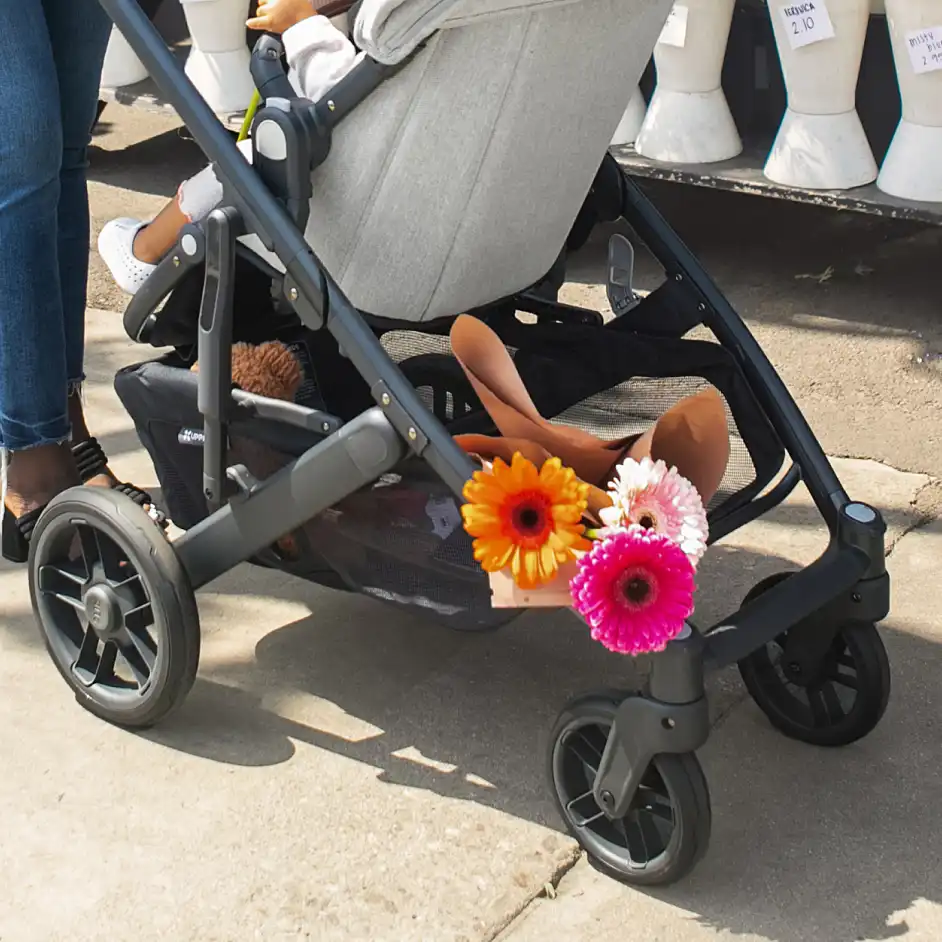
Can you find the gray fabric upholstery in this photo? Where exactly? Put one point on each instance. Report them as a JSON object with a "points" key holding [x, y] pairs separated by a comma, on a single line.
{"points": [[457, 182]]}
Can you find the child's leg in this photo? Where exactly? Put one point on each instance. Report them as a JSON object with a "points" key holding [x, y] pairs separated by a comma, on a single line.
{"points": [[131, 249], [153, 241]]}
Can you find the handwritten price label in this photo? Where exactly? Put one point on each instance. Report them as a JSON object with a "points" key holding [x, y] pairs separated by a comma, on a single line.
{"points": [[675, 29], [925, 49], [807, 23]]}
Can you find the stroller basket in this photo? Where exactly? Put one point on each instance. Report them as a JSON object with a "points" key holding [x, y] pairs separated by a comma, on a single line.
{"points": [[606, 380], [358, 484]]}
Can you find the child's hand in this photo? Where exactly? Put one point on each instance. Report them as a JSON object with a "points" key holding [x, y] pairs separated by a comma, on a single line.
{"points": [[275, 16]]}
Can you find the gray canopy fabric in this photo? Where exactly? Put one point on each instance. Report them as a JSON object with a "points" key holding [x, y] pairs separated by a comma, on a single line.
{"points": [[389, 30]]}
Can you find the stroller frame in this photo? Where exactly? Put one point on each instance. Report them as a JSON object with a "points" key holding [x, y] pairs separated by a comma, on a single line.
{"points": [[848, 585]]}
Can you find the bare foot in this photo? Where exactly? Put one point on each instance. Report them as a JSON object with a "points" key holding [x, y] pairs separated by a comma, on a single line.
{"points": [[36, 475]]}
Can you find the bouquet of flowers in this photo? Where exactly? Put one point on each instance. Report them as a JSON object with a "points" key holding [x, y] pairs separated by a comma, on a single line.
{"points": [[632, 580]]}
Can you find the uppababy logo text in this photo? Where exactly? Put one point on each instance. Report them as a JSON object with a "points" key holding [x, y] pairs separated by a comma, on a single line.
{"points": [[190, 436]]}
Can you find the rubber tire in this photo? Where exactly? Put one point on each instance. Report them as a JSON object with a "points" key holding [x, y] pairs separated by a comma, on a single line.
{"points": [[872, 663], [686, 786], [167, 584]]}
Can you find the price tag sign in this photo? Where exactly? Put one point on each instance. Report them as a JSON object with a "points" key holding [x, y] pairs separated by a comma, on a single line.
{"points": [[806, 23], [925, 49], [675, 29]]}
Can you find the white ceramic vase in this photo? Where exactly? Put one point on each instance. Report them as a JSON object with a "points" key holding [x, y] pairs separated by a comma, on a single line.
{"points": [[688, 120], [821, 144], [121, 66], [218, 63], [912, 168], [630, 124]]}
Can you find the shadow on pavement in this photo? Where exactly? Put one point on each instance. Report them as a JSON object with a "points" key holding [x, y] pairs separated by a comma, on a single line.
{"points": [[804, 839]]}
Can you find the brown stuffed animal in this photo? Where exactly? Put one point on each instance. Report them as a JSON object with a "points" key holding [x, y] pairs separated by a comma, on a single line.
{"points": [[269, 369]]}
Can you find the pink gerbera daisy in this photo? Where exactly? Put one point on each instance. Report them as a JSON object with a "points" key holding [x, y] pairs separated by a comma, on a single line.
{"points": [[635, 590], [654, 497]]}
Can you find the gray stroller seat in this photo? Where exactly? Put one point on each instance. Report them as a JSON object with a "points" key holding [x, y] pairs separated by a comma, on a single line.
{"points": [[456, 182]]}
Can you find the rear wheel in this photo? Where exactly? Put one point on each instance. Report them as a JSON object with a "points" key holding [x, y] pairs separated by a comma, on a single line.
{"points": [[114, 606], [833, 702]]}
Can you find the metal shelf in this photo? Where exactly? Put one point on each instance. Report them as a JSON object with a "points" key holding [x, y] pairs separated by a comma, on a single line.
{"points": [[744, 174]]}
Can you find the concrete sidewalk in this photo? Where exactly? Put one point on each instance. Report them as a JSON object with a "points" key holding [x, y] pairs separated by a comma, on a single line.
{"points": [[808, 845], [344, 772]]}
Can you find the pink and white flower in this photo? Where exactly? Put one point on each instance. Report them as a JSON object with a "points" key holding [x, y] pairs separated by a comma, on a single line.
{"points": [[649, 495]]}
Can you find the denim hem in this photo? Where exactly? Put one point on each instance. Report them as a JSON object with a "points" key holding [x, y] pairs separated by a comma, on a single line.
{"points": [[23, 437], [44, 441]]}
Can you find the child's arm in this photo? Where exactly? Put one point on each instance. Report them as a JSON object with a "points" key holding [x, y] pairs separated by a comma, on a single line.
{"points": [[318, 53]]}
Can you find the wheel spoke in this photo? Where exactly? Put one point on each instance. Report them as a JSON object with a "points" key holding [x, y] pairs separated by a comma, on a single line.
{"points": [[653, 837], [583, 748], [138, 620], [142, 641], [833, 702], [638, 855], [99, 550], [140, 653], [825, 706], [655, 804], [87, 661], [91, 551], [62, 585], [105, 670], [844, 680]]}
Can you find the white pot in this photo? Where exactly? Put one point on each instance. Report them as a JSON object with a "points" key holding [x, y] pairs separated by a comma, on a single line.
{"points": [[688, 120], [913, 165], [121, 66], [630, 124], [218, 63], [821, 143]]}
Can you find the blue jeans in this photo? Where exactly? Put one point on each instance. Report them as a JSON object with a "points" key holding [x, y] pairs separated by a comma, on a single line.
{"points": [[51, 54]]}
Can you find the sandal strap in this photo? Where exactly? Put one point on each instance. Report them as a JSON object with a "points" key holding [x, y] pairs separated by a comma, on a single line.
{"points": [[27, 522], [142, 499], [90, 459]]}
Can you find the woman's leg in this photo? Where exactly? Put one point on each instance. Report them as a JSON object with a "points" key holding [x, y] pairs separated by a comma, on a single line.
{"points": [[78, 34], [34, 368]]}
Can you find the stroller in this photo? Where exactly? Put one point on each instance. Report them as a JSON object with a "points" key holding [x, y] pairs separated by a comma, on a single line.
{"points": [[444, 174]]}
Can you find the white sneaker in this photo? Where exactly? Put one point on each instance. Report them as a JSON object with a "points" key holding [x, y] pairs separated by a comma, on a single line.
{"points": [[116, 248]]}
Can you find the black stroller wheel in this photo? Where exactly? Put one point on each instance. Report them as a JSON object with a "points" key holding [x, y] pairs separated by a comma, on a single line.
{"points": [[838, 702], [667, 828], [114, 606]]}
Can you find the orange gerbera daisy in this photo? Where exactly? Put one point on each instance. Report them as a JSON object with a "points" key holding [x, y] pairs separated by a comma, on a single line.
{"points": [[524, 519]]}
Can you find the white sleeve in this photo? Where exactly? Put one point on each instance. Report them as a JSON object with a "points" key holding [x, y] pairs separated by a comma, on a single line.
{"points": [[318, 54]]}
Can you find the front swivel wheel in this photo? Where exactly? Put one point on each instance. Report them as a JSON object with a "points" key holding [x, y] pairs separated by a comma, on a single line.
{"points": [[667, 827], [114, 606]]}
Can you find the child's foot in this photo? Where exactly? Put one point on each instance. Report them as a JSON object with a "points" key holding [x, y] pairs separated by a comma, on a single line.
{"points": [[116, 248]]}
